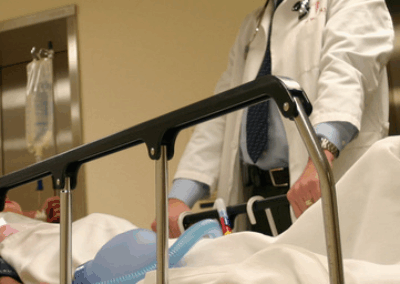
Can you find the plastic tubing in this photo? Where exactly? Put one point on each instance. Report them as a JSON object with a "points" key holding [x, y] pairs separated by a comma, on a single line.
{"points": [[223, 216], [183, 244]]}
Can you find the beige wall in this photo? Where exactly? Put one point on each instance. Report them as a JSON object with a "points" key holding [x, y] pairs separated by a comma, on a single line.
{"points": [[138, 60]]}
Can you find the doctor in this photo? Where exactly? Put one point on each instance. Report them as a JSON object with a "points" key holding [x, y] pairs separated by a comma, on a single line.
{"points": [[337, 51]]}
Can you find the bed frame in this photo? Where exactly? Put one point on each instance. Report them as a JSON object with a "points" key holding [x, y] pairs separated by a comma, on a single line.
{"points": [[159, 135]]}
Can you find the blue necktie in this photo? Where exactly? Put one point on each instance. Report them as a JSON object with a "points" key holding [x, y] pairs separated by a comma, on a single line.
{"points": [[257, 115]]}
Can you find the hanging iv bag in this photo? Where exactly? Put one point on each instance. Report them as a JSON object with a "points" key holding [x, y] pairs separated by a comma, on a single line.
{"points": [[39, 104]]}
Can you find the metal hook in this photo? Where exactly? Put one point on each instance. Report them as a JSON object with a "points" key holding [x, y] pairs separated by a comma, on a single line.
{"points": [[249, 208], [180, 220], [252, 218], [34, 54], [42, 53], [303, 7]]}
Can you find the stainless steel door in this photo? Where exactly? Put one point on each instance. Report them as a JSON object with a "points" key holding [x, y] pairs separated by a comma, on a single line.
{"points": [[394, 72]]}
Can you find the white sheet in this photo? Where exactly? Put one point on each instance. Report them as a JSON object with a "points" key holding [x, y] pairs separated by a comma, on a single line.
{"points": [[34, 251], [369, 211]]}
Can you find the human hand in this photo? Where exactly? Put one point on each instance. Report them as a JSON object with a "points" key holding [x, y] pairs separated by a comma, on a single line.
{"points": [[8, 280], [175, 208], [306, 189], [52, 208]]}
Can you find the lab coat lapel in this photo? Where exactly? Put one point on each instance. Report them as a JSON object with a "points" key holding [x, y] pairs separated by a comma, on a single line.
{"points": [[229, 189], [257, 48]]}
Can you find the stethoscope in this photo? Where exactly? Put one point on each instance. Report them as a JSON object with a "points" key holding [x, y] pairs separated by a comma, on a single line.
{"points": [[302, 7]]}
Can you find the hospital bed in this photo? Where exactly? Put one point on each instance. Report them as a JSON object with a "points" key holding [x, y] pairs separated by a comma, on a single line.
{"points": [[159, 135]]}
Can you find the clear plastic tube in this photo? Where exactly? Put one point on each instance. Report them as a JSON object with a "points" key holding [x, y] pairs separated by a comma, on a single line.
{"points": [[183, 244], [223, 216]]}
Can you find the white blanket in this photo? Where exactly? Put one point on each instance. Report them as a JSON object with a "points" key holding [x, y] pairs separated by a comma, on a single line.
{"points": [[34, 251], [369, 212]]}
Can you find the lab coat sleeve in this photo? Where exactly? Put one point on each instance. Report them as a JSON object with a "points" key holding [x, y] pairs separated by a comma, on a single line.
{"points": [[356, 45], [202, 157]]}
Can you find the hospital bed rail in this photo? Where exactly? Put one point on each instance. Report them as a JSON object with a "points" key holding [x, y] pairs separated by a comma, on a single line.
{"points": [[159, 135], [233, 211]]}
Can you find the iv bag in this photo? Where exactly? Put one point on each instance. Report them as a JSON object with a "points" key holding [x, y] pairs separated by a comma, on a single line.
{"points": [[39, 105]]}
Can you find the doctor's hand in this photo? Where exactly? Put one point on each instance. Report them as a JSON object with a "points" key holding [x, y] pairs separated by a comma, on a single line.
{"points": [[306, 190], [175, 208], [9, 280]]}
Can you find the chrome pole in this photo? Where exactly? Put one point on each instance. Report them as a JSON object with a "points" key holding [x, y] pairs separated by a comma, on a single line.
{"points": [[66, 234], [162, 217], [328, 195]]}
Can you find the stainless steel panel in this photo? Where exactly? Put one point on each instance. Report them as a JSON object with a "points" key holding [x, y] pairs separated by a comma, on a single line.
{"points": [[17, 44], [73, 76], [394, 73], [41, 17], [75, 110]]}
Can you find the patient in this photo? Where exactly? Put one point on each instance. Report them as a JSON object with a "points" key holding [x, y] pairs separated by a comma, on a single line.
{"points": [[51, 208]]}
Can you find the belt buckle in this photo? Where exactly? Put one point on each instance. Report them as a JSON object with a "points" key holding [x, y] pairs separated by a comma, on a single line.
{"points": [[271, 175]]}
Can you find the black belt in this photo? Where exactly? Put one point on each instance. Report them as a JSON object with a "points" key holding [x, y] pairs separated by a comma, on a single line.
{"points": [[278, 177]]}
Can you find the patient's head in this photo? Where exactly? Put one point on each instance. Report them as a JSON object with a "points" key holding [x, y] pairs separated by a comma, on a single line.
{"points": [[12, 206]]}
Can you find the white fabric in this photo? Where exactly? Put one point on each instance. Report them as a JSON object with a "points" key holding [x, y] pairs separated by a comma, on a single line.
{"points": [[34, 251], [337, 54], [369, 213]]}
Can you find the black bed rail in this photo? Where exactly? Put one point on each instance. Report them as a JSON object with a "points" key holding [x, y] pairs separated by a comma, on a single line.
{"points": [[159, 135], [159, 131], [234, 210]]}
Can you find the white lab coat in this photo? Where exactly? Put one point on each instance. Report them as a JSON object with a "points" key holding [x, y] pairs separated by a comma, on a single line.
{"points": [[338, 55]]}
